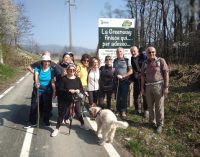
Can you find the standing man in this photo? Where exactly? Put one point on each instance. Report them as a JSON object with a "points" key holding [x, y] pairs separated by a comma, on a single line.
{"points": [[123, 70], [136, 61], [155, 76]]}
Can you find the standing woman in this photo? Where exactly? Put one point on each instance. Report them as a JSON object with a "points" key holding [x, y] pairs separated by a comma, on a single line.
{"points": [[82, 69], [71, 86], [43, 81], [93, 81], [106, 82]]}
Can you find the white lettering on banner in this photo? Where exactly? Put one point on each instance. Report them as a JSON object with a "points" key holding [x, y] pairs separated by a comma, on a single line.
{"points": [[111, 31]]}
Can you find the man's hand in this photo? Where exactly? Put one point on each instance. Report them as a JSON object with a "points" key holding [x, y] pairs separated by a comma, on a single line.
{"points": [[142, 91], [120, 77], [165, 91]]}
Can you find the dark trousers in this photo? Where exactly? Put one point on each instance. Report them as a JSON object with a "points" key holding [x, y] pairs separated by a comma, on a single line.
{"points": [[102, 95], [122, 95], [93, 97], [64, 112], [136, 93], [45, 103]]}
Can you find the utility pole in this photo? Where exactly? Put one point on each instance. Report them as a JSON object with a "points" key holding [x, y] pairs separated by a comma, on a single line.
{"points": [[70, 27]]}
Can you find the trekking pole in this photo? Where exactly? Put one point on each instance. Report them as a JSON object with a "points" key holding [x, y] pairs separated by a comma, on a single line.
{"points": [[38, 109], [71, 112], [117, 91]]}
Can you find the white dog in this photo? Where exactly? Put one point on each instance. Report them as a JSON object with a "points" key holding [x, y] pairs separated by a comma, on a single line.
{"points": [[106, 123]]}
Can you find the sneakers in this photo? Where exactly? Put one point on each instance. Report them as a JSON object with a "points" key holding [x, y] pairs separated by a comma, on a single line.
{"points": [[84, 127], [55, 133], [117, 113], [159, 129], [29, 125], [136, 112], [146, 114], [123, 114], [66, 121]]}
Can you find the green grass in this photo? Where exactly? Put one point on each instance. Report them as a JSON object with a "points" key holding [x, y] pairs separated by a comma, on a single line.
{"points": [[180, 136], [7, 72], [139, 149]]}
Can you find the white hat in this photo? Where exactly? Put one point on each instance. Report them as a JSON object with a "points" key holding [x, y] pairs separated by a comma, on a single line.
{"points": [[46, 58]]}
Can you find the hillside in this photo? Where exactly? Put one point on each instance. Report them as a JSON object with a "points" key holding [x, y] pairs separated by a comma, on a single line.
{"points": [[181, 134]]}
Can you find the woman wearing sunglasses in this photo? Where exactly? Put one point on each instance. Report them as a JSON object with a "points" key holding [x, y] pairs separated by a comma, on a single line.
{"points": [[71, 86]]}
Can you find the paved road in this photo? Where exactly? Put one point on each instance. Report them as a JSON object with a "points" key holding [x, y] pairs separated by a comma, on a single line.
{"points": [[15, 141]]}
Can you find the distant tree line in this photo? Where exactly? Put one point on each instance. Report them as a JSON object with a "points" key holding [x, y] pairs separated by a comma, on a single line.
{"points": [[172, 26]]}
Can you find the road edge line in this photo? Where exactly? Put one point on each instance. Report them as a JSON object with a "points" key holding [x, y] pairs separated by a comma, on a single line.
{"points": [[27, 143], [109, 147]]}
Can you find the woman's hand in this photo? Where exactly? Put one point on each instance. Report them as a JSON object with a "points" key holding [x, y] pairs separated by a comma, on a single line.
{"points": [[77, 91], [72, 91]]}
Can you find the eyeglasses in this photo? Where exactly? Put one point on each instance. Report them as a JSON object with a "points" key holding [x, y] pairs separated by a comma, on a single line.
{"points": [[109, 59], [86, 60], [71, 70], [151, 52]]}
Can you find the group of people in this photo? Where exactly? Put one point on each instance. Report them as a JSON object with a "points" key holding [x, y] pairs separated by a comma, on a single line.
{"points": [[68, 79]]}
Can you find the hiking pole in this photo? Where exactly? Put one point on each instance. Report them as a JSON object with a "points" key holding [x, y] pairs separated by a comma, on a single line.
{"points": [[38, 109], [117, 90], [71, 112]]}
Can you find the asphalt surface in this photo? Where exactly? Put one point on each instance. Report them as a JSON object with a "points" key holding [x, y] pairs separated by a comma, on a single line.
{"points": [[14, 111]]}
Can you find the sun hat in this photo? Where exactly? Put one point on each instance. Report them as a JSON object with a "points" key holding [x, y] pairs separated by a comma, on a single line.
{"points": [[46, 58]]}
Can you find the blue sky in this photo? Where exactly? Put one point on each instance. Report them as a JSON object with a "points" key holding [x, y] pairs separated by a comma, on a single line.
{"points": [[50, 20]]}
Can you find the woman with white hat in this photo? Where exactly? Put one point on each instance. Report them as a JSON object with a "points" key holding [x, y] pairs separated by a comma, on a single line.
{"points": [[43, 81]]}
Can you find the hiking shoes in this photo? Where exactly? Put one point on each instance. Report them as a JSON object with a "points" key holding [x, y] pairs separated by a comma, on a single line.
{"points": [[123, 114], [159, 129], [29, 125], [85, 127], [146, 114], [55, 133]]}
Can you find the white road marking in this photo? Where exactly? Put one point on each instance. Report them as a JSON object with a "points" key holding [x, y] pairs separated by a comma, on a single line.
{"points": [[109, 147], [27, 143], [8, 90], [27, 74], [20, 80]]}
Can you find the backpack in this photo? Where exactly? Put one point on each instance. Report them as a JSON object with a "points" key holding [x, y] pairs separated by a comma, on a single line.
{"points": [[126, 59], [159, 63]]}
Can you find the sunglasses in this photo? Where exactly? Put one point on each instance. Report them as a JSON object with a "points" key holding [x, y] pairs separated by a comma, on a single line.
{"points": [[86, 60], [151, 52], [71, 70]]}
